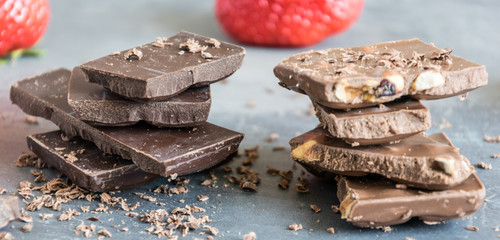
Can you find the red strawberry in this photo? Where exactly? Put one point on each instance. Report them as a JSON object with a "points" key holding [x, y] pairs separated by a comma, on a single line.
{"points": [[286, 23], [22, 23]]}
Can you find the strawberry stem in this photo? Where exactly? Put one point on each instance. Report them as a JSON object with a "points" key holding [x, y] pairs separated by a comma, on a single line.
{"points": [[18, 53]]}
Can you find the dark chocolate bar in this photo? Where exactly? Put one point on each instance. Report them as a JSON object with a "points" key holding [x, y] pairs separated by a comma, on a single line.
{"points": [[86, 165], [376, 202], [9, 210], [166, 67], [385, 123], [161, 151], [101, 107], [425, 162], [368, 75]]}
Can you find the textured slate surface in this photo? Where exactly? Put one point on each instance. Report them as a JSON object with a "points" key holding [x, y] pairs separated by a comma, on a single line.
{"points": [[81, 31]]}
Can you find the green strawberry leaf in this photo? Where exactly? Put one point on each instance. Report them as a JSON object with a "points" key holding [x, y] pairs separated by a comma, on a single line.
{"points": [[18, 53]]}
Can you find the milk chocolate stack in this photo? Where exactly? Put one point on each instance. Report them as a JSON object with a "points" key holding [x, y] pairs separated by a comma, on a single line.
{"points": [[371, 133], [130, 116]]}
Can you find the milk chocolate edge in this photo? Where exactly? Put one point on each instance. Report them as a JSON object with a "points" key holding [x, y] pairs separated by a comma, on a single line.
{"points": [[345, 159], [433, 212], [154, 88], [74, 127], [102, 182], [336, 126]]}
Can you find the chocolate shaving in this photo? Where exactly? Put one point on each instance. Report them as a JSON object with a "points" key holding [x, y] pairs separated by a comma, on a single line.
{"points": [[133, 54], [492, 139], [330, 230], [295, 227], [472, 228], [484, 165], [315, 208], [250, 236]]}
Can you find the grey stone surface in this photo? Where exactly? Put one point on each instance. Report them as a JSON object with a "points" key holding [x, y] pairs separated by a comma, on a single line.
{"points": [[84, 30]]}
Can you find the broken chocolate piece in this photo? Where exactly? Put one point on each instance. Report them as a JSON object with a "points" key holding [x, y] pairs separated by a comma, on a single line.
{"points": [[161, 72], [374, 202], [92, 169], [161, 151], [385, 123], [9, 210], [101, 107], [426, 162], [368, 75]]}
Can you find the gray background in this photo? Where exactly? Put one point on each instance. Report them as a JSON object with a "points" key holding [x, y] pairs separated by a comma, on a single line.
{"points": [[84, 30]]}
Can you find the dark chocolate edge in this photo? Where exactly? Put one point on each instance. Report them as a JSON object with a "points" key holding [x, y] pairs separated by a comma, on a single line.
{"points": [[126, 173]]}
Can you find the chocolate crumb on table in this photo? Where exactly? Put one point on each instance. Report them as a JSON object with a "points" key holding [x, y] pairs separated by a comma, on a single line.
{"points": [[330, 230], [497, 155], [472, 228], [315, 208], [27, 227], [3, 191], [336, 208], [6, 236], [295, 227], [491, 139], [496, 229], [250, 236], [484, 165]]}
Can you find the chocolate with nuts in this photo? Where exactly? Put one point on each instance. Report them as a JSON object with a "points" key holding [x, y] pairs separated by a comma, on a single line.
{"points": [[425, 162], [368, 75], [86, 165], [101, 107], [166, 67], [161, 151], [389, 122], [375, 202]]}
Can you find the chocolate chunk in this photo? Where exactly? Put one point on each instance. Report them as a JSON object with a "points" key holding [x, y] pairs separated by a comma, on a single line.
{"points": [[162, 72], [374, 202], [426, 162], [91, 169], [368, 75], [161, 151], [101, 107], [378, 124], [9, 210]]}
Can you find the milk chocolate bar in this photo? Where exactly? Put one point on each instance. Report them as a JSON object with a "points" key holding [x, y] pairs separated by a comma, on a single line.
{"points": [[9, 210], [425, 162], [357, 77], [376, 202], [101, 107], [86, 165], [161, 151], [385, 123], [166, 67]]}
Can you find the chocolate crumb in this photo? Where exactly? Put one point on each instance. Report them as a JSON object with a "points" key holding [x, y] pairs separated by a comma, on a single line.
{"points": [[249, 186], [132, 214], [206, 55], [202, 198], [133, 54], [3, 191], [25, 217], [484, 165], [283, 183], [31, 120], [213, 42], [496, 229], [315, 208], [272, 137], [472, 228], [335, 208], [295, 227], [27, 227], [105, 232], [6, 236], [495, 155], [250, 236], [212, 230], [114, 53], [301, 188], [279, 148], [192, 46], [125, 229], [491, 139], [385, 228], [46, 216], [93, 219], [330, 230], [410, 238]]}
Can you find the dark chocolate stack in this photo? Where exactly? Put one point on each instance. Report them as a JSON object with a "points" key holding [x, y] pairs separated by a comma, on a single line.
{"points": [[148, 104], [371, 133]]}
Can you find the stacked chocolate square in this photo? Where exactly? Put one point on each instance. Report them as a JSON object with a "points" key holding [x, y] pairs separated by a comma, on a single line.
{"points": [[148, 104], [371, 133]]}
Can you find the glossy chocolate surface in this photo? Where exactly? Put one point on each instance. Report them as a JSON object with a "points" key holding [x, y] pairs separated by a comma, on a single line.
{"points": [[161, 151], [165, 71], [86, 165], [101, 107]]}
